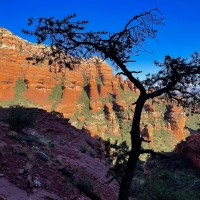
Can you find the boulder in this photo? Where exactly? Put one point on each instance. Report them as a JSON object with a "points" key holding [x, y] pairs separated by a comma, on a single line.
{"points": [[190, 148]]}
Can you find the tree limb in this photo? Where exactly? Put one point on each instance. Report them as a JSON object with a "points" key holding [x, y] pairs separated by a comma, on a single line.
{"points": [[143, 140], [142, 151], [114, 177]]}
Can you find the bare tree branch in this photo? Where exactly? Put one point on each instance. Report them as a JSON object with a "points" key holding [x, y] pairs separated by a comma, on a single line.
{"points": [[150, 151]]}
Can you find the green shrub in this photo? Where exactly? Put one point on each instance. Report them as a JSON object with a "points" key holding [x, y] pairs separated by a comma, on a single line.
{"points": [[56, 93], [117, 155], [20, 86], [20, 48], [85, 185], [92, 154], [169, 177], [83, 149], [18, 118], [168, 185]]}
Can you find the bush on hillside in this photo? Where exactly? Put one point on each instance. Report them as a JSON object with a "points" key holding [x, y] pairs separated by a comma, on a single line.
{"points": [[56, 93], [18, 118], [20, 86]]}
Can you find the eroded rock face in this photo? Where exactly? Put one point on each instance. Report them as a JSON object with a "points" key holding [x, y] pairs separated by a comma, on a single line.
{"points": [[120, 105], [102, 91], [68, 103], [93, 92], [90, 128], [176, 120], [109, 114], [96, 106], [95, 103], [132, 87], [108, 108], [191, 149], [96, 79], [114, 129], [40, 80], [149, 107], [124, 86]]}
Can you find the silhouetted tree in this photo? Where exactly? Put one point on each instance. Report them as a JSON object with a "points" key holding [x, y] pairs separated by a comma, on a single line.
{"points": [[176, 79]]}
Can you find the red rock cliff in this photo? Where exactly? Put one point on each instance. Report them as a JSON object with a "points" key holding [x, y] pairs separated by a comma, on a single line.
{"points": [[97, 79]]}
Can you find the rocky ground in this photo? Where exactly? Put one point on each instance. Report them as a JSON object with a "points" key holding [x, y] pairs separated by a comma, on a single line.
{"points": [[30, 162]]}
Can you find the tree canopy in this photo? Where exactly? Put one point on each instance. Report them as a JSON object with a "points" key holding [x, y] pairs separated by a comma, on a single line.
{"points": [[178, 80]]}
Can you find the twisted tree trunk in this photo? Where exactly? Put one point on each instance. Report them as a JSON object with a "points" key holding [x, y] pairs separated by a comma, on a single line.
{"points": [[135, 151]]}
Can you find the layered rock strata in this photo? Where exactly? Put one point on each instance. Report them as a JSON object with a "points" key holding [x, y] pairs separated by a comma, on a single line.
{"points": [[103, 90]]}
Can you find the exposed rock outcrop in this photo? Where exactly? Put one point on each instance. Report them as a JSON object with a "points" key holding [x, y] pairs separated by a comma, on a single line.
{"points": [[95, 103], [149, 108], [190, 148], [176, 120]]}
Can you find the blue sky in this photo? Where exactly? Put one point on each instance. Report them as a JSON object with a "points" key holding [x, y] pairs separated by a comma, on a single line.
{"points": [[180, 36]]}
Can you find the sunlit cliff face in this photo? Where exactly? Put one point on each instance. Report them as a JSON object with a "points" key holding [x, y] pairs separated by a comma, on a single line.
{"points": [[108, 99]]}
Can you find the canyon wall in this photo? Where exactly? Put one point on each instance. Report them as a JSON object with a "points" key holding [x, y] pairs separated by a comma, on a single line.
{"points": [[91, 96]]}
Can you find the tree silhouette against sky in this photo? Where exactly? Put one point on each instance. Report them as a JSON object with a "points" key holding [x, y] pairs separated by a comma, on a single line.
{"points": [[176, 79]]}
